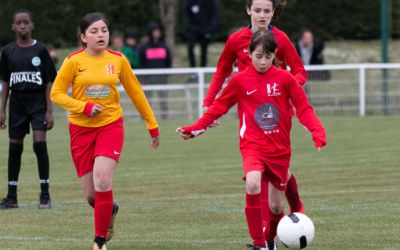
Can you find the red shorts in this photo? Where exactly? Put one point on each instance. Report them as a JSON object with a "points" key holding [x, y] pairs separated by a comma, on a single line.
{"points": [[275, 170], [87, 143]]}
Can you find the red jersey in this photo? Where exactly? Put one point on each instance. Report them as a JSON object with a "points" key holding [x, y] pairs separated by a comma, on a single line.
{"points": [[237, 50], [264, 104]]}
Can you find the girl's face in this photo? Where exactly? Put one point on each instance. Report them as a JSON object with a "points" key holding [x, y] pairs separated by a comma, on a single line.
{"points": [[261, 13], [261, 60], [22, 26], [96, 36]]}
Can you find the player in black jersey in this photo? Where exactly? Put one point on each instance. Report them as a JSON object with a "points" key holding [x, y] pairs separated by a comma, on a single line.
{"points": [[27, 73]]}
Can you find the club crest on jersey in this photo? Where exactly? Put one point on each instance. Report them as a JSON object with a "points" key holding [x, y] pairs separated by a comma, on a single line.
{"points": [[273, 90], [36, 61], [110, 69]]}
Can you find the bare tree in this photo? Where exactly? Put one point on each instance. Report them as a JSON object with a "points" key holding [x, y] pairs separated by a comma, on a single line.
{"points": [[168, 9]]}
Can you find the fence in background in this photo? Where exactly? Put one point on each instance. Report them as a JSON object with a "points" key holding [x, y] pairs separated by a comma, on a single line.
{"points": [[333, 90]]}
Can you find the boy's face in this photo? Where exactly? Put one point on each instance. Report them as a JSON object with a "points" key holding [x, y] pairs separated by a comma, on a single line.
{"points": [[22, 26]]}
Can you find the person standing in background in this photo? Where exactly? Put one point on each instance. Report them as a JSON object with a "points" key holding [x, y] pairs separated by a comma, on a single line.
{"points": [[201, 18], [155, 54], [26, 70], [310, 51]]}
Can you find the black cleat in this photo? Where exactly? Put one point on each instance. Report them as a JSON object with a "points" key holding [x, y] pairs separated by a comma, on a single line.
{"points": [[44, 201], [8, 203], [271, 245]]}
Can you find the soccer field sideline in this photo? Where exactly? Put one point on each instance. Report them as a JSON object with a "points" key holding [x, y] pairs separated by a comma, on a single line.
{"points": [[188, 194]]}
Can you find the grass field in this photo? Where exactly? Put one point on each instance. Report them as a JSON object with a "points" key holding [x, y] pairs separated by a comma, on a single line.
{"points": [[189, 194]]}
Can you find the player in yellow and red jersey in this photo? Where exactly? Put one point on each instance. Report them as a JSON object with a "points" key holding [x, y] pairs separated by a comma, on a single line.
{"points": [[96, 123]]}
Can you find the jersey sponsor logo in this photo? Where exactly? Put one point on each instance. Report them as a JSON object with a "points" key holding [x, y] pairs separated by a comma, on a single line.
{"points": [[97, 91], [267, 117], [36, 61], [251, 92], [26, 77], [110, 69], [273, 90]]}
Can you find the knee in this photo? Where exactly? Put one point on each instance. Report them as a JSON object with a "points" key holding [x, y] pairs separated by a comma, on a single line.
{"points": [[253, 186], [276, 207], [102, 183]]}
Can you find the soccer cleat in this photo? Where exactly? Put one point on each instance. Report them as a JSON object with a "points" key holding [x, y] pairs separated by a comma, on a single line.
{"points": [[299, 210], [44, 201], [96, 247], [271, 245], [8, 203], [256, 247], [110, 232]]}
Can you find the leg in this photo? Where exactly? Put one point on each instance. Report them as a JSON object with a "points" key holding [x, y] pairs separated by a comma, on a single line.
{"points": [[103, 173], [14, 166], [88, 188], [276, 202], [253, 208], [292, 195], [40, 149], [191, 43], [205, 40]]}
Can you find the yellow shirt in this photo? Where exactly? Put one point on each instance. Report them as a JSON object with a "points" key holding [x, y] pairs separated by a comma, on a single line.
{"points": [[95, 80]]}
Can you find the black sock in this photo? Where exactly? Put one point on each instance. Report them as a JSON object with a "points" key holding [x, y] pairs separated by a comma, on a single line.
{"points": [[100, 241], [42, 157], [14, 166]]}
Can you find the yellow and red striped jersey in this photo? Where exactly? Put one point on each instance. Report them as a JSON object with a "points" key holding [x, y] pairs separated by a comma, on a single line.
{"points": [[95, 80]]}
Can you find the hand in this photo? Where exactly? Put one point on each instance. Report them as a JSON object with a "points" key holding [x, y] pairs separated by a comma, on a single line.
{"points": [[3, 120], [155, 142], [49, 120], [215, 123], [189, 134], [96, 109]]}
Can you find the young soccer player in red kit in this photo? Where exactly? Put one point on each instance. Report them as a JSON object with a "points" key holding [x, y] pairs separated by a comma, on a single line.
{"points": [[264, 94], [96, 124], [261, 12]]}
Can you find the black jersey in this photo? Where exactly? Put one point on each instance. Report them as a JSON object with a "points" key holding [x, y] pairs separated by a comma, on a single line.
{"points": [[26, 68]]}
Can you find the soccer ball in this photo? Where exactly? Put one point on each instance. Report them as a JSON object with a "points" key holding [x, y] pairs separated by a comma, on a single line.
{"points": [[295, 231]]}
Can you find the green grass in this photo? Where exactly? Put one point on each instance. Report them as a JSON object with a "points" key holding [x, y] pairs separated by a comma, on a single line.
{"points": [[189, 194]]}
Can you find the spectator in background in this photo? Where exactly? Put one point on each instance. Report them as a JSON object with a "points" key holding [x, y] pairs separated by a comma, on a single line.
{"points": [[53, 53], [201, 18], [117, 44], [131, 41], [155, 54], [310, 51]]}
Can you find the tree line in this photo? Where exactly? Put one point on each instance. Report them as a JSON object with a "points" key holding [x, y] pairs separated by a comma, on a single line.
{"points": [[56, 21]]}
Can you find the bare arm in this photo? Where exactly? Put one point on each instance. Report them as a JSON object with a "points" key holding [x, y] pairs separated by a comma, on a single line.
{"points": [[4, 97], [49, 111]]}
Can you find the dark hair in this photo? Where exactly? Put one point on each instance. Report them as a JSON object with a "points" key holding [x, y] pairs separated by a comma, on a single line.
{"points": [[265, 39], [87, 20], [278, 5], [22, 11]]}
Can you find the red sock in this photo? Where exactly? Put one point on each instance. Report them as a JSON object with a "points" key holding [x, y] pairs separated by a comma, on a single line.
{"points": [[102, 212], [292, 194], [272, 224], [254, 219], [264, 200]]}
